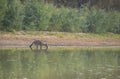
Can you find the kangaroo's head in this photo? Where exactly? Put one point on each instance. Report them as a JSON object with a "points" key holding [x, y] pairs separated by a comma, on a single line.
{"points": [[45, 45]]}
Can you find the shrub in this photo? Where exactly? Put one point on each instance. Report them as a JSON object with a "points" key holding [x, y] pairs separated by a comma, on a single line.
{"points": [[113, 22], [96, 21], [12, 19], [37, 15]]}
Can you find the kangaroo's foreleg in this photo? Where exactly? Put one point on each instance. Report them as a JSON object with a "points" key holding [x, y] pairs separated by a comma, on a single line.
{"points": [[31, 45]]}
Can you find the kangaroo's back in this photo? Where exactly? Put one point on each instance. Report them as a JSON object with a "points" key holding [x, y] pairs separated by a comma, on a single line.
{"points": [[37, 42]]}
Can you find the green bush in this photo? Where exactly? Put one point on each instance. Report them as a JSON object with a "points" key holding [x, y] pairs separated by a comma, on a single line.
{"points": [[96, 21], [113, 22], [37, 15], [69, 20], [12, 19]]}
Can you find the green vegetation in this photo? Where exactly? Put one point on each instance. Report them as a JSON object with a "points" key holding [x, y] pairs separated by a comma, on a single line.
{"points": [[39, 16], [62, 34], [106, 4]]}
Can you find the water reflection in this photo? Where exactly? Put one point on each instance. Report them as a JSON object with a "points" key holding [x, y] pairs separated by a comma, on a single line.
{"points": [[38, 51], [60, 64]]}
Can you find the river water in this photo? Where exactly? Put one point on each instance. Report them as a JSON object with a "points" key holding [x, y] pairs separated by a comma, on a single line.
{"points": [[96, 63]]}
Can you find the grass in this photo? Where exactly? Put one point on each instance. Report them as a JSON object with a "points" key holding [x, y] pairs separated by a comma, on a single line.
{"points": [[62, 34]]}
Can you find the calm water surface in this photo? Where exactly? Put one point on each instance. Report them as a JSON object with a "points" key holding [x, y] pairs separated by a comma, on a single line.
{"points": [[60, 64]]}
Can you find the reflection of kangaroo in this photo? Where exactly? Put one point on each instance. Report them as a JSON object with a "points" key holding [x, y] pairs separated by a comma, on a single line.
{"points": [[38, 43]]}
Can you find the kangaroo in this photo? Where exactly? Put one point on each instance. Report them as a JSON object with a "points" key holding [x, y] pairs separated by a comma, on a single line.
{"points": [[38, 43]]}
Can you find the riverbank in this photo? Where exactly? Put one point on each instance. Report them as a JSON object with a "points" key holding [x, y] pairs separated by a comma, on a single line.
{"points": [[59, 39]]}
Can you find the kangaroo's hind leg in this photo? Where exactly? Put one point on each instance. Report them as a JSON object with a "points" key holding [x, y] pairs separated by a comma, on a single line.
{"points": [[40, 46], [37, 47], [46, 46]]}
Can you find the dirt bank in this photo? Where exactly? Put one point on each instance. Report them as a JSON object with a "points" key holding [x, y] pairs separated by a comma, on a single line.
{"points": [[24, 40]]}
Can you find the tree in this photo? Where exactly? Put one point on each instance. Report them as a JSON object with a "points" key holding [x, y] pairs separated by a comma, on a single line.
{"points": [[37, 15], [3, 8], [13, 17]]}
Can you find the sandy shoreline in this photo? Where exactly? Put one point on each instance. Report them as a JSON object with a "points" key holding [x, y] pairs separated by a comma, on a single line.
{"points": [[59, 44], [51, 47], [21, 41]]}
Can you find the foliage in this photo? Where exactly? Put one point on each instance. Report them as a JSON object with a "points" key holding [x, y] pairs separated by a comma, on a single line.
{"points": [[12, 19], [3, 8], [40, 16], [113, 22], [69, 20], [96, 21], [37, 15], [106, 4]]}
